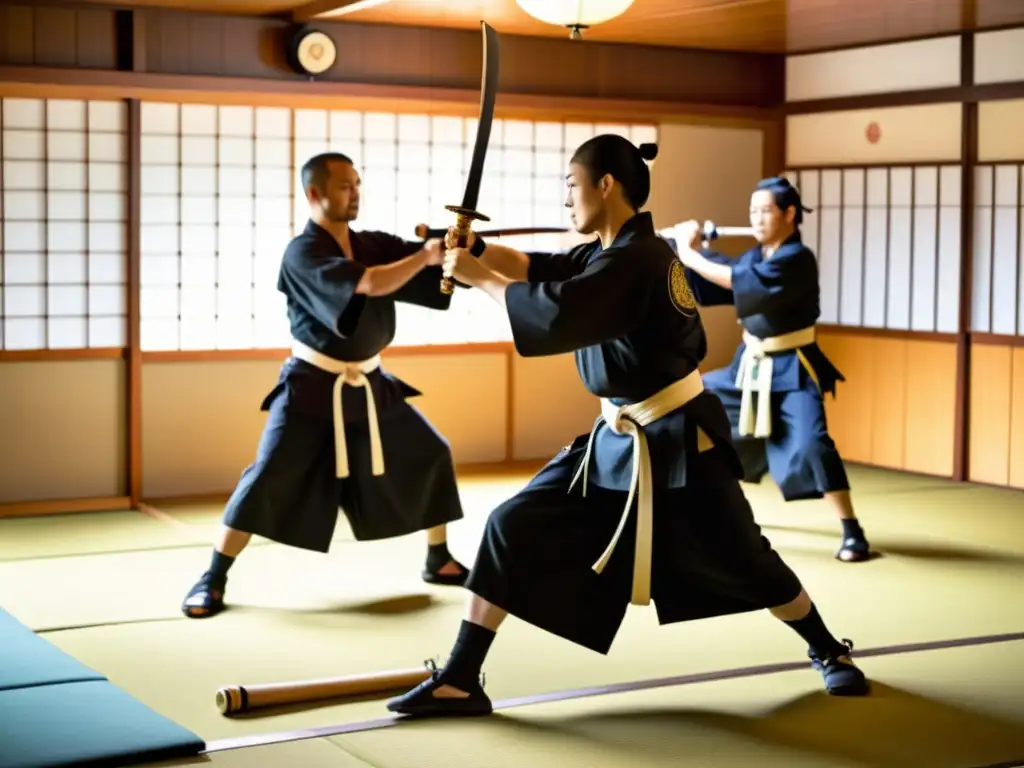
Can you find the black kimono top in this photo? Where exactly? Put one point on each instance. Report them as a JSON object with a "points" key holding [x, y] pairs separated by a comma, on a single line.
{"points": [[772, 297], [629, 319], [327, 314]]}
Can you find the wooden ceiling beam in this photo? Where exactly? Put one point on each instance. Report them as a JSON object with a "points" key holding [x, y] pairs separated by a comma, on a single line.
{"points": [[331, 8]]}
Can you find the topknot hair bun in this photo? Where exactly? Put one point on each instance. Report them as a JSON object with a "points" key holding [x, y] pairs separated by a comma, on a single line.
{"points": [[648, 151]]}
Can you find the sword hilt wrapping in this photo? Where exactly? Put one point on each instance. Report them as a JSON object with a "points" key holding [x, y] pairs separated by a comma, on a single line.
{"points": [[463, 226]]}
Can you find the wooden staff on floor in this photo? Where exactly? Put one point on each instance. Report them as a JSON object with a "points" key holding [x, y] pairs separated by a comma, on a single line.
{"points": [[236, 699]]}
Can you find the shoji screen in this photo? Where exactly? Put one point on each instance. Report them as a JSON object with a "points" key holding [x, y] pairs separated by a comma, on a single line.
{"points": [[888, 244], [63, 282], [215, 220], [997, 303]]}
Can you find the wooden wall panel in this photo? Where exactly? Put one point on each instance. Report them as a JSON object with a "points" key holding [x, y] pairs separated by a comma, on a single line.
{"points": [[40, 35], [930, 391], [850, 413], [61, 430], [896, 408], [189, 43], [997, 414], [997, 13], [550, 406], [1016, 472], [991, 386], [888, 399], [201, 421]]}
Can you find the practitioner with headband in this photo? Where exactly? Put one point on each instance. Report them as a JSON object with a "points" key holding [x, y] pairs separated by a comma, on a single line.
{"points": [[774, 388]]}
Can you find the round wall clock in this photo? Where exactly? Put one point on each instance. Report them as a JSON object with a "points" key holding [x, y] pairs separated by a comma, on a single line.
{"points": [[311, 51]]}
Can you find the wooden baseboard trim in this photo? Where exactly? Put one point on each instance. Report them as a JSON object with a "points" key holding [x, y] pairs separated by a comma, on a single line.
{"points": [[65, 506]]}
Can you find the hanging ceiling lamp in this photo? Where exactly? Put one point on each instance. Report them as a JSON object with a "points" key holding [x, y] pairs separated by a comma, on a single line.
{"points": [[577, 15]]}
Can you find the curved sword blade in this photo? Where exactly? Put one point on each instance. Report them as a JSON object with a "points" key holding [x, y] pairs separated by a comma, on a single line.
{"points": [[488, 93]]}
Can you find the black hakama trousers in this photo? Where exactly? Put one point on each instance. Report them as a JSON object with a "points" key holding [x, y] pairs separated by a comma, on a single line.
{"points": [[800, 455], [710, 559], [291, 494]]}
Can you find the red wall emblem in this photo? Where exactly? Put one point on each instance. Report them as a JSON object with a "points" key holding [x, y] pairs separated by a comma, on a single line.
{"points": [[873, 133]]}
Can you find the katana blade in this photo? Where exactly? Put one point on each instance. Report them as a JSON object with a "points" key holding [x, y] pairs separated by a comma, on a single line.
{"points": [[488, 94], [467, 212]]}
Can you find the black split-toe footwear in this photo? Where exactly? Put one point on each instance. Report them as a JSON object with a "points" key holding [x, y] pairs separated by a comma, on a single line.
{"points": [[447, 579], [205, 599], [841, 677], [854, 549], [421, 701]]}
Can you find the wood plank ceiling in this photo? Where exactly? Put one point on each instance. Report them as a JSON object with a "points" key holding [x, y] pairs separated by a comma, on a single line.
{"points": [[771, 26]]}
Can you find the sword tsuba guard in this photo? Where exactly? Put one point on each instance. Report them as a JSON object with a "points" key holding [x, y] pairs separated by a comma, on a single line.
{"points": [[463, 226]]}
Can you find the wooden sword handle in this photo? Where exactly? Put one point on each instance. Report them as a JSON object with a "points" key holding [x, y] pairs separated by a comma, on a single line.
{"points": [[462, 230]]}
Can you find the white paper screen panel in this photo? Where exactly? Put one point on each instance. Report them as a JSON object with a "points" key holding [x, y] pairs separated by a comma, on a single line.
{"points": [[997, 288], [887, 239], [889, 68], [63, 230], [997, 56]]}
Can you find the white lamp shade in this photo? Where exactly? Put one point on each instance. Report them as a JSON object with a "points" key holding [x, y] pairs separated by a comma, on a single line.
{"points": [[566, 13]]}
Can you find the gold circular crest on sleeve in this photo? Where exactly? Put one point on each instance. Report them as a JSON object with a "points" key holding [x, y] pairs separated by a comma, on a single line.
{"points": [[679, 289]]}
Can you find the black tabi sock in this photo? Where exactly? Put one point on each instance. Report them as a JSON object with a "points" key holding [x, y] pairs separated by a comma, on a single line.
{"points": [[812, 629], [471, 646], [219, 566], [852, 529], [438, 556]]}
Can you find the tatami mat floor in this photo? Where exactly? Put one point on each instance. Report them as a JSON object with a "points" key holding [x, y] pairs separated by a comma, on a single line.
{"points": [[106, 588], [970, 714]]}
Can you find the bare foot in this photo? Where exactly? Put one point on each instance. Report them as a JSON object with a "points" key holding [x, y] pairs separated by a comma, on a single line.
{"points": [[451, 568]]}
